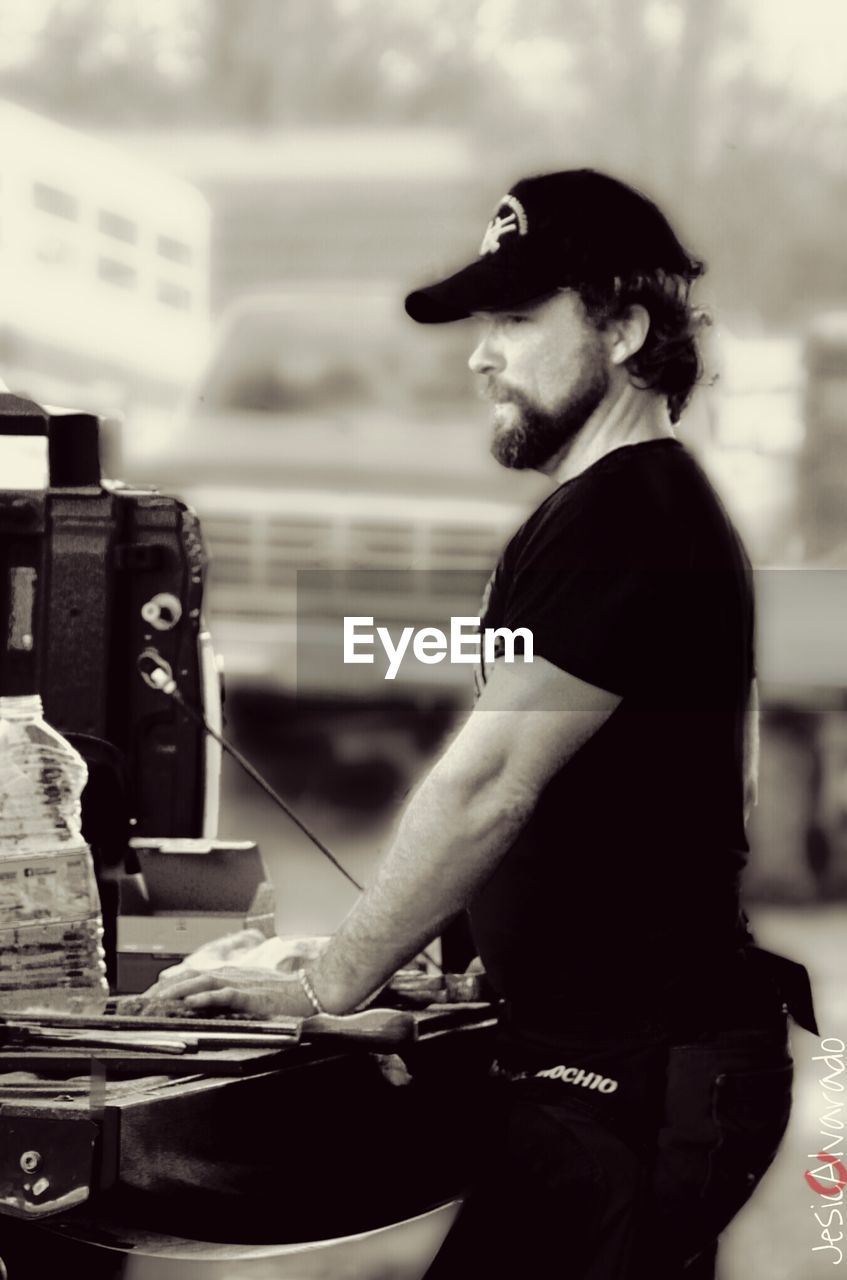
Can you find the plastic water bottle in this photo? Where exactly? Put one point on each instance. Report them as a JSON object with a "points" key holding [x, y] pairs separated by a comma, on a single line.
{"points": [[51, 928]]}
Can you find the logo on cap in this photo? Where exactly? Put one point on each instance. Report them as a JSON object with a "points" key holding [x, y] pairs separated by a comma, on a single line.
{"points": [[501, 226]]}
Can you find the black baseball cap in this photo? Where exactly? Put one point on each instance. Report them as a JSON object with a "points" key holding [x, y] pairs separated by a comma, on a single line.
{"points": [[557, 230]]}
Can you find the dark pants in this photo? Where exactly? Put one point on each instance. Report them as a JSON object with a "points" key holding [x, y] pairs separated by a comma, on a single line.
{"points": [[591, 1185], [726, 1108]]}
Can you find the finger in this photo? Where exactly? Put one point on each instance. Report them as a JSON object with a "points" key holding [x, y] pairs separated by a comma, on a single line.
{"points": [[202, 982], [222, 998], [168, 979], [164, 984]]}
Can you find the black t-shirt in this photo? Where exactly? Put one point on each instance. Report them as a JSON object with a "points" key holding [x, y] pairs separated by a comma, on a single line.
{"points": [[621, 893]]}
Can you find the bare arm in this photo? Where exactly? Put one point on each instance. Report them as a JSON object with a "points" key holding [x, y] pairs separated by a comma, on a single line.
{"points": [[457, 826]]}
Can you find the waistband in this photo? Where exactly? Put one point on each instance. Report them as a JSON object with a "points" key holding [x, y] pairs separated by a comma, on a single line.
{"points": [[750, 988]]}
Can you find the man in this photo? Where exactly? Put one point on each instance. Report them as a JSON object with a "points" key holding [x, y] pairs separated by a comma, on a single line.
{"points": [[591, 811]]}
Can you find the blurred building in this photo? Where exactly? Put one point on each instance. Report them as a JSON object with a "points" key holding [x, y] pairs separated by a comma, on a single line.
{"points": [[327, 204], [104, 270]]}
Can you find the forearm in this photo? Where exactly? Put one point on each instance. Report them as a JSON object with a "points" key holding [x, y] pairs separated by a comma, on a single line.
{"points": [[458, 825], [452, 834]]}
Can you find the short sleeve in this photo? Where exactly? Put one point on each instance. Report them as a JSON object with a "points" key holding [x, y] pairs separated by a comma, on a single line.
{"points": [[589, 580], [594, 622], [632, 578]]}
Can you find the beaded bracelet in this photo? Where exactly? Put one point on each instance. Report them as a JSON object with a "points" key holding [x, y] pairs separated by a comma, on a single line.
{"points": [[309, 992]]}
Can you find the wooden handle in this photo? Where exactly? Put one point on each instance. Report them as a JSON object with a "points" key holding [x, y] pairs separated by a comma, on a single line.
{"points": [[373, 1026]]}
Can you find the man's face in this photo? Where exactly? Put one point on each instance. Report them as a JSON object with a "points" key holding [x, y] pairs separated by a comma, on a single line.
{"points": [[546, 369]]}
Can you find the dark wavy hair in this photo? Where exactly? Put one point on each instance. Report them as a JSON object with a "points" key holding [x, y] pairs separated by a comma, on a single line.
{"points": [[669, 361]]}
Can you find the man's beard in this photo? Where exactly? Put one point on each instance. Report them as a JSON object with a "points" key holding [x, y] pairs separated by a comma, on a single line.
{"points": [[538, 435]]}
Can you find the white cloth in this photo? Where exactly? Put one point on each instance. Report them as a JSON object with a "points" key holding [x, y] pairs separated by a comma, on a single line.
{"points": [[250, 949]]}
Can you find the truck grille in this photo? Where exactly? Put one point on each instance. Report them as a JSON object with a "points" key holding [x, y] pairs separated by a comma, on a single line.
{"points": [[255, 560]]}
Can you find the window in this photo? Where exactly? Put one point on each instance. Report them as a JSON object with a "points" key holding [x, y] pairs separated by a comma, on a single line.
{"points": [[116, 272], [173, 295], [273, 389], [53, 200], [172, 249], [52, 249], [117, 226]]}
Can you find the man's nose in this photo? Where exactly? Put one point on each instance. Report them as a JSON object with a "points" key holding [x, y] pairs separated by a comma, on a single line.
{"points": [[486, 357]]}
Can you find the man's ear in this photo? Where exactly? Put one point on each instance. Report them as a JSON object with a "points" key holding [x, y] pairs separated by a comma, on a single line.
{"points": [[627, 333]]}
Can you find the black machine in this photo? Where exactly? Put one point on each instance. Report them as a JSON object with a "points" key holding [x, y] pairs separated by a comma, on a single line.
{"points": [[98, 582], [97, 578]]}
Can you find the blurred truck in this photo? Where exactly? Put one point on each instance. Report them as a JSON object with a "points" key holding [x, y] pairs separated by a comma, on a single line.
{"points": [[338, 459]]}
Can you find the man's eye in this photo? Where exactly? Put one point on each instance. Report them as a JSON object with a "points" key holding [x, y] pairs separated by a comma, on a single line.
{"points": [[517, 318]]}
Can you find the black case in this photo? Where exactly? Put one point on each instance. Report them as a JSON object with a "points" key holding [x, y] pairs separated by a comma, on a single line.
{"points": [[79, 563]]}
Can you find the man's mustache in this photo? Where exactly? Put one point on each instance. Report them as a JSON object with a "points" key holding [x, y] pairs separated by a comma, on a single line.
{"points": [[497, 392]]}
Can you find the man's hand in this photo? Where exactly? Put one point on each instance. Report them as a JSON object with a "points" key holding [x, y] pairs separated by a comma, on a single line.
{"points": [[259, 993]]}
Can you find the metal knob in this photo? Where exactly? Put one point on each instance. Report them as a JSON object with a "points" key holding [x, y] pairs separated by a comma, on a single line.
{"points": [[162, 611]]}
